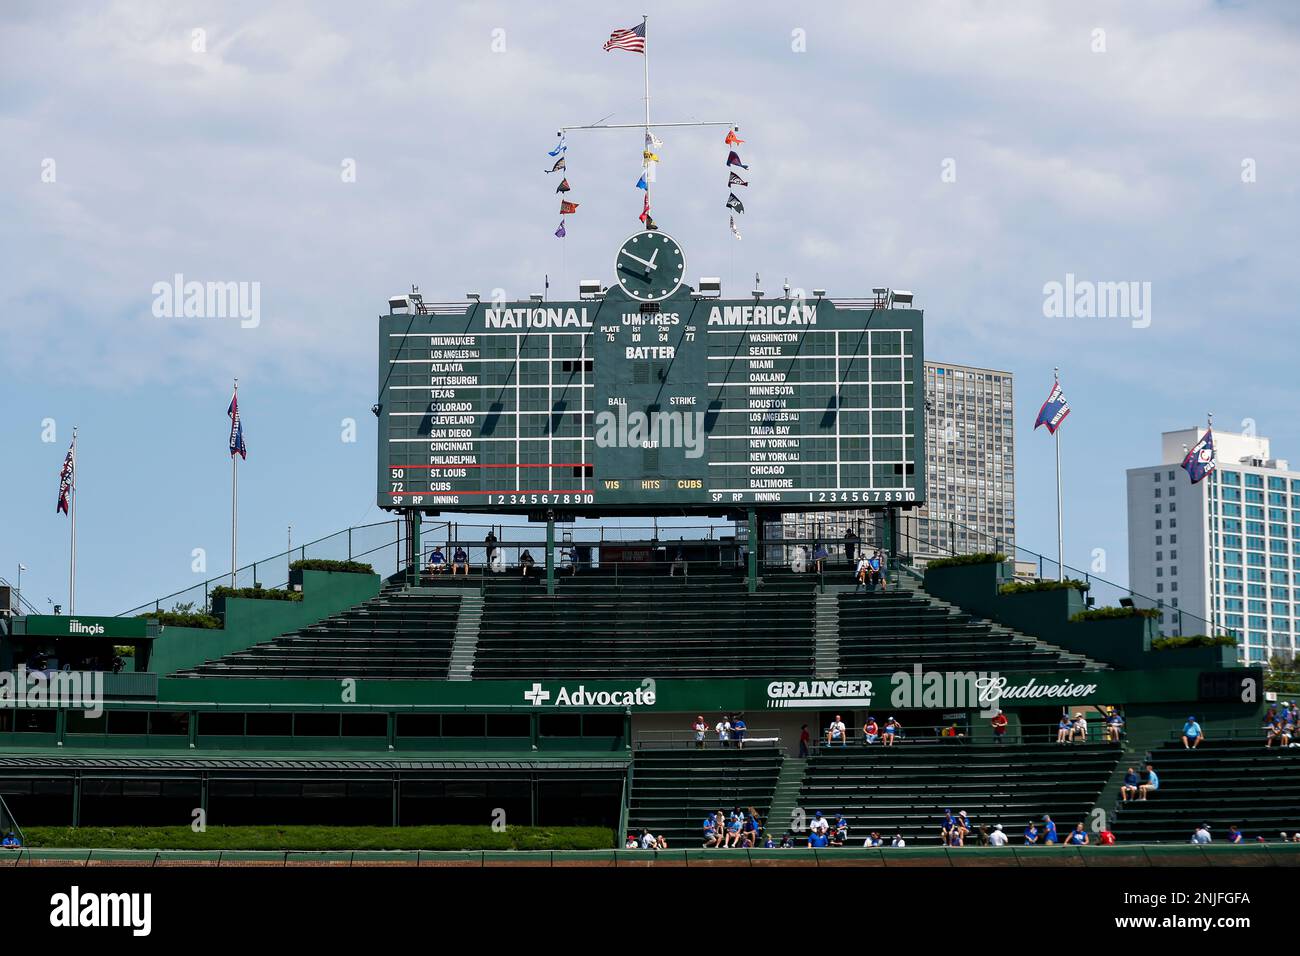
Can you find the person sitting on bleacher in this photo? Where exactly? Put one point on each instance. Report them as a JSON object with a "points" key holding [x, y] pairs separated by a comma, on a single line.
{"points": [[947, 827], [11, 841], [997, 837], [1031, 834], [818, 838], [679, 561], [837, 733], [437, 561], [964, 824], [1152, 784], [898, 841], [862, 575], [841, 830], [893, 729], [712, 837], [787, 841], [1079, 732], [1278, 730], [631, 843], [459, 560], [1063, 728], [1130, 789], [1235, 835], [1192, 735], [1202, 834], [819, 824], [1114, 725], [735, 827], [870, 731], [526, 562], [769, 842], [1078, 836]]}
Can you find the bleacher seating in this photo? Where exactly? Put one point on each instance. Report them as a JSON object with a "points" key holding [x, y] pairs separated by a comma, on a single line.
{"points": [[706, 625], [884, 631], [1223, 783], [906, 788], [399, 634], [673, 790]]}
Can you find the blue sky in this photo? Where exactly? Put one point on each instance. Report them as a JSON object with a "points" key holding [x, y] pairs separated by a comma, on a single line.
{"points": [[1114, 157]]}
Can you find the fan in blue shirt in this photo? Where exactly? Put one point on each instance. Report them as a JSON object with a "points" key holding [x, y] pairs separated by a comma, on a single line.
{"points": [[1049, 830], [1031, 834]]}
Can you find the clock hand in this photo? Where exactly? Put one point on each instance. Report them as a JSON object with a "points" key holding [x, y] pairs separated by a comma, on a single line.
{"points": [[643, 276], [653, 256], [648, 265]]}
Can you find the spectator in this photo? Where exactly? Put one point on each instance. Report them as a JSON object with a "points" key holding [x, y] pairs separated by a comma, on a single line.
{"points": [[947, 827], [489, 547], [701, 728], [1234, 834], [875, 572], [679, 561], [841, 829], [1114, 725], [949, 731], [898, 841], [850, 544], [804, 739], [819, 823], [997, 837], [983, 837], [118, 663], [647, 840], [873, 839], [1064, 727], [437, 561], [1130, 788], [1192, 735], [1278, 730], [723, 730], [964, 824], [526, 562], [837, 733], [892, 729], [1078, 836], [787, 841], [11, 840], [999, 726], [631, 843], [459, 561], [1049, 830], [1079, 732], [711, 836], [1152, 784], [1202, 834], [768, 842], [870, 731], [1031, 834], [862, 575], [957, 838], [817, 839], [1106, 838], [738, 728], [820, 554], [735, 827]]}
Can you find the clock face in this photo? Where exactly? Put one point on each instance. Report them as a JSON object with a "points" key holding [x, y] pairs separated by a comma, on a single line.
{"points": [[650, 266]]}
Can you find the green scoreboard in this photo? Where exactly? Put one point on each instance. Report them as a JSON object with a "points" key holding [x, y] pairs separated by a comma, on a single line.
{"points": [[650, 398]]}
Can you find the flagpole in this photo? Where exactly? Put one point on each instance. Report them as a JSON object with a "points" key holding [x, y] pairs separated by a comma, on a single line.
{"points": [[1209, 424], [72, 563], [234, 502], [645, 23], [1060, 526]]}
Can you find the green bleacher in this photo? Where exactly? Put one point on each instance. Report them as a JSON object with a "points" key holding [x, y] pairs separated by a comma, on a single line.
{"points": [[705, 625], [397, 635], [906, 788], [883, 631], [1223, 783], [673, 790]]}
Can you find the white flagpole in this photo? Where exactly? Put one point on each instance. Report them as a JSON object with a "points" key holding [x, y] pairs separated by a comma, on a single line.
{"points": [[1060, 526], [1209, 607], [72, 564], [234, 498], [645, 23]]}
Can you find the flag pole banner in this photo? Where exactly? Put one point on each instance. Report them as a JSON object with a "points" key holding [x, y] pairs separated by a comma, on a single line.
{"points": [[1199, 462], [1054, 410]]}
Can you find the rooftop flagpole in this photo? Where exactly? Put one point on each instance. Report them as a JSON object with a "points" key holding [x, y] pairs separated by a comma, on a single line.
{"points": [[1060, 525], [72, 500], [645, 28], [234, 500]]}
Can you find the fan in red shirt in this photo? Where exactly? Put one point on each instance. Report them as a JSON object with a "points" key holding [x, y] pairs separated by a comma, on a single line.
{"points": [[999, 725]]}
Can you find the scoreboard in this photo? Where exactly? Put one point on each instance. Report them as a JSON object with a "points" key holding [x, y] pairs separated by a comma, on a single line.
{"points": [[650, 401]]}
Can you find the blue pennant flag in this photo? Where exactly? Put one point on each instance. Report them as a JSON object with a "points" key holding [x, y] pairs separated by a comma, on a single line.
{"points": [[1200, 460], [1054, 409], [560, 147], [641, 183], [560, 233], [237, 446]]}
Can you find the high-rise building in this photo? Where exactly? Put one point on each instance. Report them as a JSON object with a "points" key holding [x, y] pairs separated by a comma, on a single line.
{"points": [[970, 471], [1219, 555]]}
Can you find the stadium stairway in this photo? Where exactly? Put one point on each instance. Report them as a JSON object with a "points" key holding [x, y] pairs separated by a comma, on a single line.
{"points": [[906, 788], [673, 790], [400, 634], [1223, 783], [785, 795], [898, 628], [464, 644]]}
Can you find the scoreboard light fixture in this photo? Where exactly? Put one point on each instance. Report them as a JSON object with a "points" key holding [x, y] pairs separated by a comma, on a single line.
{"points": [[710, 284], [819, 293], [900, 297], [473, 296], [589, 287], [399, 304], [535, 297]]}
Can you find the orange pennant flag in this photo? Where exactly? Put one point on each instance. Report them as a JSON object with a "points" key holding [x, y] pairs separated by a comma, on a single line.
{"points": [[732, 139]]}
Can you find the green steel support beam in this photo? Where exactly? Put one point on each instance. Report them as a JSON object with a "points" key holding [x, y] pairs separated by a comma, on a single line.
{"points": [[751, 577], [550, 553]]}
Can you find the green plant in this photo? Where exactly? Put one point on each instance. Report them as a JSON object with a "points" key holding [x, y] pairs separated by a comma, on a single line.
{"points": [[175, 619], [1193, 640], [1109, 613], [982, 557], [323, 838], [261, 594], [329, 564], [1024, 587]]}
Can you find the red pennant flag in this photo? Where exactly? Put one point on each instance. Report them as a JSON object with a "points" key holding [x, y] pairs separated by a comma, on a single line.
{"points": [[567, 207], [732, 139], [645, 210]]}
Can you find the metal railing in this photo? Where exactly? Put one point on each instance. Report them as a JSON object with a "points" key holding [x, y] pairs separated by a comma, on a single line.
{"points": [[935, 734], [380, 544], [685, 740]]}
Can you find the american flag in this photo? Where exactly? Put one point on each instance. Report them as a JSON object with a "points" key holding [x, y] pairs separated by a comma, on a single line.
{"points": [[67, 478], [633, 40]]}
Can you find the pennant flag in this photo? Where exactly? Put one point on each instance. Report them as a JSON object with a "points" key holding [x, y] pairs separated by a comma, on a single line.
{"points": [[734, 160], [560, 233], [650, 157], [1200, 460], [1054, 410], [734, 180], [734, 231], [66, 479], [567, 207], [732, 139], [648, 172], [652, 141], [632, 40], [734, 203], [559, 164], [237, 446], [641, 183], [560, 147], [650, 223], [645, 210], [563, 187]]}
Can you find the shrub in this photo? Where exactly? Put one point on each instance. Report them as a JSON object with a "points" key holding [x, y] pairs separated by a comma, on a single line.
{"points": [[329, 564], [1193, 640], [183, 619], [983, 557], [1108, 613], [261, 594], [323, 838], [1024, 587]]}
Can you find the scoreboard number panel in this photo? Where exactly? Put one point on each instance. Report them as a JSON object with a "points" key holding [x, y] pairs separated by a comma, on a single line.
{"points": [[650, 400]]}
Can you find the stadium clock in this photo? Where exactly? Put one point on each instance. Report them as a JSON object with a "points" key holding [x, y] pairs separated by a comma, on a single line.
{"points": [[650, 266]]}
